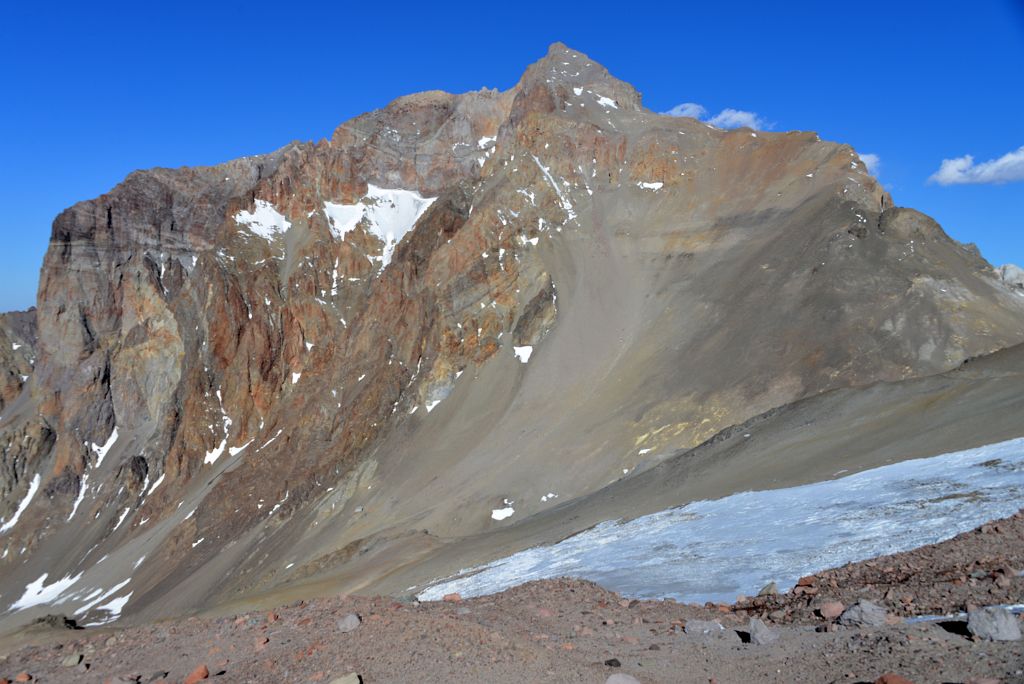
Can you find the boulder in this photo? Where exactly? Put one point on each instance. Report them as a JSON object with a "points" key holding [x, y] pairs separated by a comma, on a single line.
{"points": [[761, 633], [994, 624], [863, 614]]}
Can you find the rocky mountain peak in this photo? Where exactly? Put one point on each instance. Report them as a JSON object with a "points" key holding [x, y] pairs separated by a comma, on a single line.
{"points": [[452, 312]]}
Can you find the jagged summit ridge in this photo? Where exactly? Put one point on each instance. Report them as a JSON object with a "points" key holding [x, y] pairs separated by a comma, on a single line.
{"points": [[283, 366]]}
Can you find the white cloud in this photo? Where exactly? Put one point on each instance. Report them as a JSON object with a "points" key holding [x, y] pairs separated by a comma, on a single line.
{"points": [[727, 118], [963, 170], [873, 162], [691, 109], [737, 118]]}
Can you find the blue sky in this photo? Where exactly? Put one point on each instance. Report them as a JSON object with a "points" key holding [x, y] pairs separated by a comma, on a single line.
{"points": [[93, 91]]}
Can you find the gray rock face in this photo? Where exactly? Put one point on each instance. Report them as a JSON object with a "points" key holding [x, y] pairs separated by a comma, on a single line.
{"points": [[863, 614], [994, 623], [761, 633], [1012, 275]]}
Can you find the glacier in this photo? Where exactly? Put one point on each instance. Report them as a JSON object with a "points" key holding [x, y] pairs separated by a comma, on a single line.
{"points": [[718, 549]]}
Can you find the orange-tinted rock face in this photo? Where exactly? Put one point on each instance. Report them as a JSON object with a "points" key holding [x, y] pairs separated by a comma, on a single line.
{"points": [[270, 366]]}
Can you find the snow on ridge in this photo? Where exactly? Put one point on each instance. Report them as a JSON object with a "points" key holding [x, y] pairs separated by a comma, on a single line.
{"points": [[264, 220], [33, 486], [389, 214]]}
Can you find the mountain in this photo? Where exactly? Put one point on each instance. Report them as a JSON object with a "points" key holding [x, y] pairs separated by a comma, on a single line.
{"points": [[319, 368]]}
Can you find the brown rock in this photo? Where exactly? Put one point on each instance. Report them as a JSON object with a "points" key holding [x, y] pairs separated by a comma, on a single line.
{"points": [[23, 677], [892, 678], [452, 598], [197, 675], [830, 610]]}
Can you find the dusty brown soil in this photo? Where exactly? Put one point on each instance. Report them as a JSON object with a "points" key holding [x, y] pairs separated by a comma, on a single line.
{"points": [[575, 631]]}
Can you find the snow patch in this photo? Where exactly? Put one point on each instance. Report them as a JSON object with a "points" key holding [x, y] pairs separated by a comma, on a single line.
{"points": [[651, 186], [33, 487], [387, 214], [39, 593], [101, 451], [502, 513], [523, 353], [156, 484], [264, 220]]}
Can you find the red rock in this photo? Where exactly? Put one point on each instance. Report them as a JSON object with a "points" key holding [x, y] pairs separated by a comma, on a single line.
{"points": [[23, 677], [272, 617], [808, 581], [451, 598], [197, 675], [891, 678], [830, 610]]}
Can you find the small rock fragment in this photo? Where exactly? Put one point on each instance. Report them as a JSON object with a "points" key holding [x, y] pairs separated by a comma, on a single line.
{"points": [[350, 678], [770, 589], [23, 677], [994, 623], [452, 598], [71, 660], [863, 614], [703, 627], [619, 678], [197, 675], [349, 623], [892, 678], [613, 662]]}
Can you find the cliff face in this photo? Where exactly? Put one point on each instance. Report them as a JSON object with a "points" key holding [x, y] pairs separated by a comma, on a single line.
{"points": [[282, 366], [17, 353]]}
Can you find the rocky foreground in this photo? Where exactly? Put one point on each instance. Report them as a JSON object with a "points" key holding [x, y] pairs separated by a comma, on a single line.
{"points": [[850, 624]]}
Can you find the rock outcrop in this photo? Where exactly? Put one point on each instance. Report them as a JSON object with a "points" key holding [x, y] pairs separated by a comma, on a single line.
{"points": [[326, 360]]}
